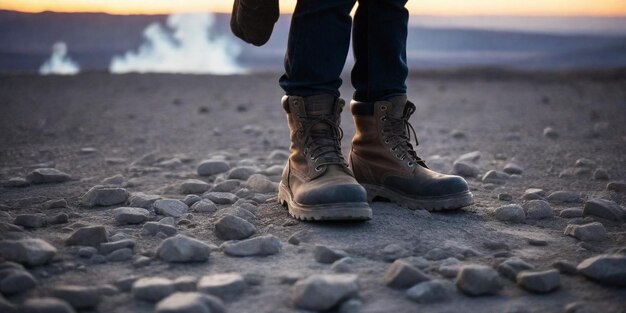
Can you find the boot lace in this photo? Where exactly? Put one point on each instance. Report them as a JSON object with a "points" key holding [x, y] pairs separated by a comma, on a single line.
{"points": [[322, 145], [397, 134]]}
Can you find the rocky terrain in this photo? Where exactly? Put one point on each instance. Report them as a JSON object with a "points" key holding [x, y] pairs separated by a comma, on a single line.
{"points": [[157, 193]]}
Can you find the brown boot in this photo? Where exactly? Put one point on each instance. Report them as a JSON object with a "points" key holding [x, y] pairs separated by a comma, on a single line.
{"points": [[385, 163], [316, 183]]}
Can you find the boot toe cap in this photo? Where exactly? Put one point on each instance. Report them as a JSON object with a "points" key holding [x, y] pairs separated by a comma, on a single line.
{"points": [[329, 194], [447, 185]]}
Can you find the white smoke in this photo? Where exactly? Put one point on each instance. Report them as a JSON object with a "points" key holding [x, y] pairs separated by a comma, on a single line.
{"points": [[59, 63], [188, 45]]}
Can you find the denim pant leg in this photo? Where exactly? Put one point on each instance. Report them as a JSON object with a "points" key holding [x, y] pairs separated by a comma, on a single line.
{"points": [[319, 40], [379, 43]]}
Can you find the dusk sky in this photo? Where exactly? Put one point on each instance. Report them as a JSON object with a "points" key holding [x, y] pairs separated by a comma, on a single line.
{"points": [[416, 7]]}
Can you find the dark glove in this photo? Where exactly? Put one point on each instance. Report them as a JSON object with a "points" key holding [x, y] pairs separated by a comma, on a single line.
{"points": [[253, 20]]}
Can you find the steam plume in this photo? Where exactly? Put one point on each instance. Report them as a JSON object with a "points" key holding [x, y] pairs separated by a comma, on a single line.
{"points": [[59, 63]]}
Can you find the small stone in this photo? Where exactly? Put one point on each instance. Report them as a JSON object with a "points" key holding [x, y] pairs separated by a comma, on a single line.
{"points": [[327, 255], [604, 208], [16, 182], [181, 248], [600, 174], [512, 168], [87, 236], [510, 213], [320, 292], [16, 281], [231, 227], [194, 186], [60, 218], [142, 261], [540, 282], [30, 220], [108, 247], [477, 280], [239, 212], [153, 228], [46, 305], [170, 207], [512, 266], [458, 134], [433, 291], [116, 180], [87, 252], [80, 297], [190, 200], [142, 200], [608, 269], [470, 156], [505, 197], [588, 232], [47, 175], [221, 197], [222, 285], [495, 177], [204, 206], [278, 155], [226, 186], [186, 283], [617, 186], [54, 204], [260, 184], [212, 167], [549, 132], [350, 306], [564, 197], [571, 213], [584, 162], [258, 246], [128, 215], [537, 209], [537, 242], [565, 267], [533, 194], [343, 265], [190, 302], [120, 255], [465, 168], [30, 252], [104, 196], [401, 275], [152, 289]]}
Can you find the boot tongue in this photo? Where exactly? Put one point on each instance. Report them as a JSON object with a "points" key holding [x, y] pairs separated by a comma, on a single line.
{"points": [[398, 105], [319, 105]]}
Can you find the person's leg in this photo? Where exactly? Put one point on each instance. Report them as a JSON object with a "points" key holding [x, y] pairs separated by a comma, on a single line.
{"points": [[379, 44], [319, 40]]}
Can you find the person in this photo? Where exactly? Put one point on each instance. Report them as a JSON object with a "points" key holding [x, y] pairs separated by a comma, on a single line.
{"points": [[318, 183]]}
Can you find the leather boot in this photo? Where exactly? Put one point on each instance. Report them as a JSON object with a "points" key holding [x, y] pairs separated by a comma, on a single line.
{"points": [[316, 183], [385, 163]]}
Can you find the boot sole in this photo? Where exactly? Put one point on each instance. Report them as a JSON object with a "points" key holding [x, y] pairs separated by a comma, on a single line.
{"points": [[443, 203], [350, 211]]}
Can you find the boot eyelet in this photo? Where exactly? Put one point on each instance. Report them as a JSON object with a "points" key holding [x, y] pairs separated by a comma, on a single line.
{"points": [[410, 164], [386, 140], [317, 169], [383, 107], [383, 118], [394, 149], [398, 156]]}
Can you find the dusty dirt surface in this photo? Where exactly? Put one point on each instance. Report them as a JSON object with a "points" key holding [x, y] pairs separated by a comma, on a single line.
{"points": [[184, 119]]}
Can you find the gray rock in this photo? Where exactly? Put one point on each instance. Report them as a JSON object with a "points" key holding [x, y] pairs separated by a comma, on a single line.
{"points": [[343, 265], [600, 174], [227, 185], [142, 200], [86, 252], [16, 281], [549, 132], [190, 200], [88, 236], [60, 218], [185, 283], [512, 168], [588, 232], [212, 167], [46, 305], [512, 266], [204, 206], [108, 247], [571, 213], [350, 306], [194, 186], [152, 289], [80, 297], [260, 184], [505, 197], [540, 282], [47, 175], [30, 252], [510, 213], [241, 172], [604, 208], [220, 197], [465, 168], [327, 255], [54, 204], [401, 275], [534, 194], [565, 267], [120, 255], [190, 302], [583, 162], [617, 186], [608, 269], [470, 156], [170, 207], [117, 180], [225, 286], [153, 228], [433, 291], [495, 177], [129, 215], [321, 292], [231, 227], [477, 280], [181, 248], [104, 196], [537, 209], [239, 212], [564, 197], [141, 261], [15, 182], [258, 246], [30, 220], [278, 155]]}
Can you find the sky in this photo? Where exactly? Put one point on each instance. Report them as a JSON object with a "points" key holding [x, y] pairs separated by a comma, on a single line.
{"points": [[416, 7]]}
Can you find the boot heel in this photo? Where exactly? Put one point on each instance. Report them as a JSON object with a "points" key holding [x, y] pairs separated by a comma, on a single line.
{"points": [[282, 200]]}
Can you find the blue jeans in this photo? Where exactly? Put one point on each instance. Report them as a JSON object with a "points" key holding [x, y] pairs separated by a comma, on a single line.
{"points": [[319, 40]]}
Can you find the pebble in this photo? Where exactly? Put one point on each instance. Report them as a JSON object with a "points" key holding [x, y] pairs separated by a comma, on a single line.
{"points": [[604, 208], [225, 286], [153, 228], [239, 212], [510, 213], [495, 177], [120, 255], [512, 168], [231, 227], [278, 155], [327, 255], [16, 281], [350, 306], [241, 172], [320, 292], [47, 175], [152, 289], [600, 174], [54, 204], [87, 252], [142, 200], [170, 207], [564, 197], [87, 236], [30, 220], [186, 283], [212, 167], [80, 297], [402, 275], [533, 194], [30, 252], [221, 197], [260, 184], [60, 218], [512, 266], [505, 197], [181, 248], [470, 156], [565, 267], [15, 182], [46, 305], [477, 280], [608, 269], [584, 162], [190, 200], [587, 232], [190, 302], [537, 209], [617, 186], [343, 265], [108, 247], [540, 282], [571, 213], [537, 242], [141, 261], [458, 134], [204, 206], [104, 196], [130, 215], [116, 180], [194, 186], [226, 186], [257, 246], [432, 291], [465, 168], [549, 132]]}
